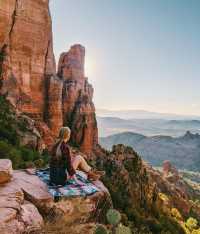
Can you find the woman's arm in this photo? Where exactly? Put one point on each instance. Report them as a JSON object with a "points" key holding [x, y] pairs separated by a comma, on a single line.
{"points": [[66, 152]]}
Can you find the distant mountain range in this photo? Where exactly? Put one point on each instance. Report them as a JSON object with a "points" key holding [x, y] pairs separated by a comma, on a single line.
{"points": [[149, 127], [183, 152], [142, 114]]}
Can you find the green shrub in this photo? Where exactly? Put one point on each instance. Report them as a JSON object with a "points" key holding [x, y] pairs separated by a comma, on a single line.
{"points": [[191, 223], [21, 156], [10, 152], [176, 214], [121, 229], [196, 231], [113, 217], [39, 163], [170, 225], [153, 225], [8, 124], [100, 229]]}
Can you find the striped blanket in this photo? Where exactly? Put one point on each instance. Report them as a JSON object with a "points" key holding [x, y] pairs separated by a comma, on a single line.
{"points": [[79, 186]]}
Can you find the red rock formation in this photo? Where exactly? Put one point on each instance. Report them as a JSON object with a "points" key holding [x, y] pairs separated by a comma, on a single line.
{"points": [[170, 172], [47, 138], [27, 74], [78, 108], [26, 48], [54, 113]]}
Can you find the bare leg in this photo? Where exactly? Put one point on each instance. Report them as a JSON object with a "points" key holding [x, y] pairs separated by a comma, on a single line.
{"points": [[79, 162]]}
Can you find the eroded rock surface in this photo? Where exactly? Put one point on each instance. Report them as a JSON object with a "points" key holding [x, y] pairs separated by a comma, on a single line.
{"points": [[180, 193], [25, 202], [28, 73], [16, 215], [27, 54], [31, 217], [5, 170], [137, 188], [69, 100], [170, 171]]}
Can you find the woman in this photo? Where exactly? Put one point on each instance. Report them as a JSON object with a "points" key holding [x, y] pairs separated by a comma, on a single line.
{"points": [[63, 166]]}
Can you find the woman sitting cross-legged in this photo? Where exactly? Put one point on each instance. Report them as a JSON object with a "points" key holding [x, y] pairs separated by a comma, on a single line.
{"points": [[63, 166]]}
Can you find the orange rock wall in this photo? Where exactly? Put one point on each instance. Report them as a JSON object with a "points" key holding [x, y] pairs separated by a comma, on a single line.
{"points": [[26, 38], [28, 73]]}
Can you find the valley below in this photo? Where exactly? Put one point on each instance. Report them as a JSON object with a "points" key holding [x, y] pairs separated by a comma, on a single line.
{"points": [[155, 140]]}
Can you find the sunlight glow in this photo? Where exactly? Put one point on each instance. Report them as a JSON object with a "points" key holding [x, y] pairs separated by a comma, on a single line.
{"points": [[90, 67]]}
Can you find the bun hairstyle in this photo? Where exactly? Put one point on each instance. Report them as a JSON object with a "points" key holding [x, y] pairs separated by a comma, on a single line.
{"points": [[64, 133]]}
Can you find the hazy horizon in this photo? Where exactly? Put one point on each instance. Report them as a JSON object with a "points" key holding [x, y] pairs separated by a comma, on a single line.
{"points": [[139, 54], [145, 110]]}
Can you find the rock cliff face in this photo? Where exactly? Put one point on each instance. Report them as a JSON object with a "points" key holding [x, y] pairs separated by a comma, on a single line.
{"points": [[69, 100], [26, 48], [145, 195], [28, 73], [77, 94]]}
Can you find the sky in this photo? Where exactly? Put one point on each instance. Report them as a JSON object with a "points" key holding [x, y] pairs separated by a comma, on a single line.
{"points": [[140, 54]]}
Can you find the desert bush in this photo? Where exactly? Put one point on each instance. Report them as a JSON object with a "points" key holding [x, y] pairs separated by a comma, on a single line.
{"points": [[8, 124], [113, 217], [100, 229], [176, 214], [163, 197], [191, 224], [170, 225], [121, 229], [196, 231], [154, 225], [21, 156]]}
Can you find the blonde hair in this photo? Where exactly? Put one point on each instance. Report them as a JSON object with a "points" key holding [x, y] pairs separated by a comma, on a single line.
{"points": [[64, 133]]}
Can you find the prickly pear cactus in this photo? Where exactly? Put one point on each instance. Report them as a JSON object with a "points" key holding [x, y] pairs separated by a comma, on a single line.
{"points": [[100, 229], [113, 216], [121, 229]]}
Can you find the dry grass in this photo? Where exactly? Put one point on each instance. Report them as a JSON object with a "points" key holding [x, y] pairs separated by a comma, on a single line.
{"points": [[60, 227]]}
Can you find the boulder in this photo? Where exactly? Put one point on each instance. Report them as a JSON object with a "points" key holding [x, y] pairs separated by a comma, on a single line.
{"points": [[16, 215], [14, 226], [33, 188], [7, 214], [31, 217], [5, 170], [70, 209]]}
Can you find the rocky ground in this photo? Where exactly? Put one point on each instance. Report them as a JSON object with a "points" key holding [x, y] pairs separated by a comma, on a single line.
{"points": [[26, 206]]}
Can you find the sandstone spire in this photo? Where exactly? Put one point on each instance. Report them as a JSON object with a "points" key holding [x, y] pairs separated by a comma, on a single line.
{"points": [[77, 106], [28, 73]]}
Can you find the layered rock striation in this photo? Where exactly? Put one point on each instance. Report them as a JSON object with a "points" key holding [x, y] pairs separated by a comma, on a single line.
{"points": [[28, 73], [69, 100], [77, 94], [27, 53]]}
